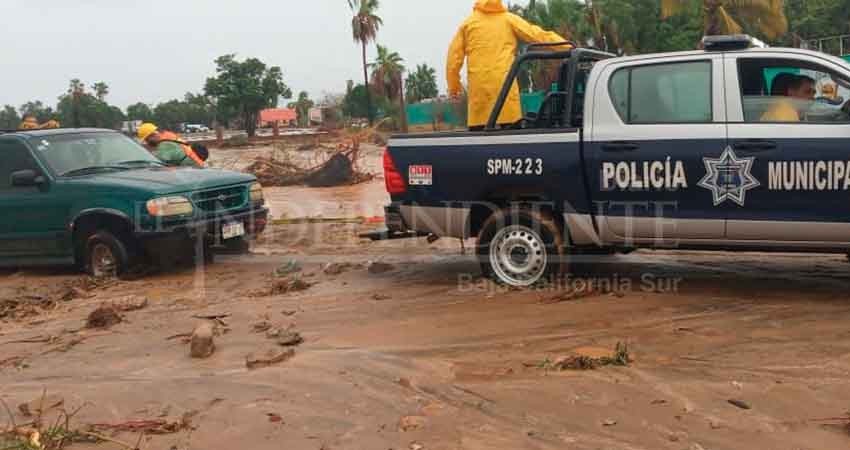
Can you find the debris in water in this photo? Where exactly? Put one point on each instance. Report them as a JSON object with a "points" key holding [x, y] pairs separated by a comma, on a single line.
{"points": [[740, 404], [103, 317], [268, 357], [620, 357]]}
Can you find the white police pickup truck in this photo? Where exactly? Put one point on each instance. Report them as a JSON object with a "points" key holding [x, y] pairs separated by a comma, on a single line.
{"points": [[728, 148]]}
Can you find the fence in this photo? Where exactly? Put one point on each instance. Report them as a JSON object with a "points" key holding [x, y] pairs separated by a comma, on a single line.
{"points": [[446, 113], [834, 45]]}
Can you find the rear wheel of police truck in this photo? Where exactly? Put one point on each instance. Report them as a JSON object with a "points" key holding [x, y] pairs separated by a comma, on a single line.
{"points": [[522, 247]]}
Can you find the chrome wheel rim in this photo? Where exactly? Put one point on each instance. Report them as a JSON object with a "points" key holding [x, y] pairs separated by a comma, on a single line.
{"points": [[518, 256], [103, 261]]}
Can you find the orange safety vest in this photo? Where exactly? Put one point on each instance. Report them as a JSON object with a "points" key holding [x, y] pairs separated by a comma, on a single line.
{"points": [[187, 149]]}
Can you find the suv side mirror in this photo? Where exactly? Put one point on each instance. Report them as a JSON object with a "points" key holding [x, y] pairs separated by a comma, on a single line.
{"points": [[26, 177]]}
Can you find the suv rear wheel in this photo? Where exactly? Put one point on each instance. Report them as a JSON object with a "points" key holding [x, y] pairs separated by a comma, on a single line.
{"points": [[521, 247], [106, 255]]}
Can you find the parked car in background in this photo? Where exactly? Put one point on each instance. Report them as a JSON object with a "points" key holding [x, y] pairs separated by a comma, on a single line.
{"points": [[195, 128]]}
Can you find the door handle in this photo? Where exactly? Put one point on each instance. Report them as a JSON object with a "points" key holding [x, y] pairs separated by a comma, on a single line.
{"points": [[620, 146], [755, 146]]}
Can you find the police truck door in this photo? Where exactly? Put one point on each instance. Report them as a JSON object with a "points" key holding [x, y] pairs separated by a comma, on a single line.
{"points": [[648, 139], [790, 151]]}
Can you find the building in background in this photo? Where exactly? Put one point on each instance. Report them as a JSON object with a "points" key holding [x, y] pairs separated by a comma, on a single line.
{"points": [[284, 117]]}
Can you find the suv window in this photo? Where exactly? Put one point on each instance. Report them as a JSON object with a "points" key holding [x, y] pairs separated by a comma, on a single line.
{"points": [[791, 91], [663, 93], [16, 156]]}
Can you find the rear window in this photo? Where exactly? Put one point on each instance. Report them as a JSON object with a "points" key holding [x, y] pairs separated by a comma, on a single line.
{"points": [[663, 93]]}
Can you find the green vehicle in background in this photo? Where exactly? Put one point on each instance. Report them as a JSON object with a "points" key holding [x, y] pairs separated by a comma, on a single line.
{"points": [[99, 200]]}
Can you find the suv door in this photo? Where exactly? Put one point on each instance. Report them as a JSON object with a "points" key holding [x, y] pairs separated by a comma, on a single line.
{"points": [[31, 220], [800, 170], [654, 120]]}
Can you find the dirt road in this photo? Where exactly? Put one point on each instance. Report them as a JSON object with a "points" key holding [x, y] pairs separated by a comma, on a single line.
{"points": [[424, 354]]}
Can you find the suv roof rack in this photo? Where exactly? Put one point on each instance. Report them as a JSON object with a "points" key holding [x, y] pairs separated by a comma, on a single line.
{"points": [[729, 42]]}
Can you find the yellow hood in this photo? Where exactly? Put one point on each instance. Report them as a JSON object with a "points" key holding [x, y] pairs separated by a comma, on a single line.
{"points": [[490, 6]]}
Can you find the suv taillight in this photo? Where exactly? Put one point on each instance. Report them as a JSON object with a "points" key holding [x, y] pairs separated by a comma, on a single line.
{"points": [[392, 177]]}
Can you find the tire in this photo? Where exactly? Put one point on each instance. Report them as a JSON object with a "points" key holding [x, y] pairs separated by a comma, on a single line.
{"points": [[521, 247], [236, 246], [106, 255]]}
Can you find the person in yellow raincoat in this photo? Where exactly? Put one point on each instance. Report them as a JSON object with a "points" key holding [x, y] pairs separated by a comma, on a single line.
{"points": [[488, 41]]}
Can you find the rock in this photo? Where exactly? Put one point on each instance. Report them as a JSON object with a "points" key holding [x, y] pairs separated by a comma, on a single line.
{"points": [[274, 418], [286, 286], [74, 293], [740, 404], [103, 317], [715, 424], [131, 303], [377, 267], [336, 268], [409, 423], [609, 423], [288, 338], [202, 344], [289, 267], [41, 405], [268, 357], [261, 327], [677, 436]]}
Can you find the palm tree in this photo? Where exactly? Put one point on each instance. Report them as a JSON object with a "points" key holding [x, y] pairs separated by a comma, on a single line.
{"points": [[421, 84], [386, 72], [364, 27], [302, 108], [101, 90], [388, 78], [730, 16]]}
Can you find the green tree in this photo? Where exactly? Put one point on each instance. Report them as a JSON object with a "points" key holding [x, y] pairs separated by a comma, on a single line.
{"points": [[355, 104], [387, 70], [421, 84], [767, 17], [39, 110], [364, 27], [243, 89], [810, 19], [140, 111], [101, 90], [9, 118], [302, 108], [79, 108]]}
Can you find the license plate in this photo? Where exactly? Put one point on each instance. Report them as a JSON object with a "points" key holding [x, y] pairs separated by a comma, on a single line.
{"points": [[232, 230]]}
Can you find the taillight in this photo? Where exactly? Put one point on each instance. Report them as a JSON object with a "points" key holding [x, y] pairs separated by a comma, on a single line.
{"points": [[392, 177]]}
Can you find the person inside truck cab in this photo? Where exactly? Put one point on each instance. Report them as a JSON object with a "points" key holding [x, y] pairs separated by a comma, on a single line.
{"points": [[168, 147], [794, 93], [487, 40]]}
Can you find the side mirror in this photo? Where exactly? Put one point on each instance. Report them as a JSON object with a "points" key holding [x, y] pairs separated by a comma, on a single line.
{"points": [[26, 177]]}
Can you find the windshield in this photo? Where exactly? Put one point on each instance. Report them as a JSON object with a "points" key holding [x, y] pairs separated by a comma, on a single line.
{"points": [[67, 154]]}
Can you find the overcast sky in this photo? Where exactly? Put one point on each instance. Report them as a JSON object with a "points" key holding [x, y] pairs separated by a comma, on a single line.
{"points": [[157, 50]]}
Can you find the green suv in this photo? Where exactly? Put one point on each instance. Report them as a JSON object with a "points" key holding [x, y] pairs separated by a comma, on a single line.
{"points": [[98, 199]]}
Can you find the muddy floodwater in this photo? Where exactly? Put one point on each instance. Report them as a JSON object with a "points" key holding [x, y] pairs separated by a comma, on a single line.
{"points": [[405, 346]]}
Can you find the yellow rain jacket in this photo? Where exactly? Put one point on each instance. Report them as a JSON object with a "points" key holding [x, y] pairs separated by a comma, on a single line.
{"points": [[488, 41]]}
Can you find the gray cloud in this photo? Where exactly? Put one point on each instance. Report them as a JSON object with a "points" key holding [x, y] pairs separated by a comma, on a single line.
{"points": [[157, 50]]}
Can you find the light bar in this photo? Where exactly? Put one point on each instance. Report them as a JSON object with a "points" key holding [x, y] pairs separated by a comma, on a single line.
{"points": [[723, 43]]}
